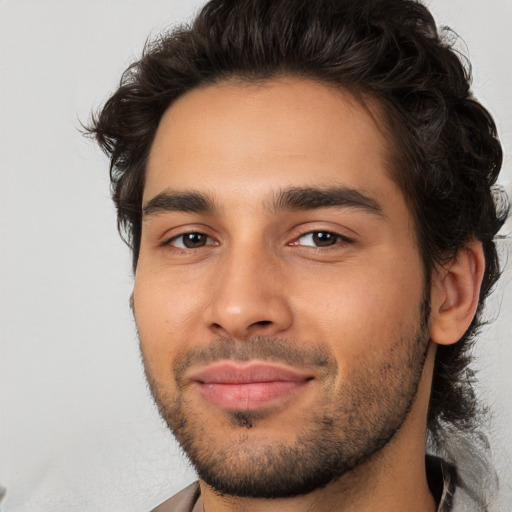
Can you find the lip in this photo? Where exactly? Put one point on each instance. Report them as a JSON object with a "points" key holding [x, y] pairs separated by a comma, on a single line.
{"points": [[248, 386]]}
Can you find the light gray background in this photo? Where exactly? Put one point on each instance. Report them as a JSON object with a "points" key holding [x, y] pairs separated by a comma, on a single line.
{"points": [[78, 430]]}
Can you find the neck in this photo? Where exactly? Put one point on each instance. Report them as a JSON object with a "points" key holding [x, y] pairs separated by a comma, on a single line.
{"points": [[401, 488], [393, 480]]}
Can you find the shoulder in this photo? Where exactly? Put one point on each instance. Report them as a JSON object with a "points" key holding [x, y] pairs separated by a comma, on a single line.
{"points": [[184, 501]]}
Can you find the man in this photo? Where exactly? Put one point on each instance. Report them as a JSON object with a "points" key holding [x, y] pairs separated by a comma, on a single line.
{"points": [[306, 187]]}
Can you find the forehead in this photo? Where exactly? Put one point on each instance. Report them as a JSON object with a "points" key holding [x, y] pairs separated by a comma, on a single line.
{"points": [[235, 136]]}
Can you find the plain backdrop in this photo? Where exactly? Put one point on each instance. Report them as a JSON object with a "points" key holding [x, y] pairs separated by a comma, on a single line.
{"points": [[78, 429]]}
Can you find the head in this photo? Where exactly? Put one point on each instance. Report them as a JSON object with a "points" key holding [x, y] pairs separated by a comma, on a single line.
{"points": [[440, 151]]}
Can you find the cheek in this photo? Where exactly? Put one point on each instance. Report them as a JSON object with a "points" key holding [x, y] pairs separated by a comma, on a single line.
{"points": [[362, 310], [166, 314]]}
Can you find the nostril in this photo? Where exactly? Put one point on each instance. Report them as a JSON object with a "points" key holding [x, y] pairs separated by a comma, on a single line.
{"points": [[263, 323]]}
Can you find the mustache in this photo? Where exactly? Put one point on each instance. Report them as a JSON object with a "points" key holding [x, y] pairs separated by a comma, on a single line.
{"points": [[265, 348]]}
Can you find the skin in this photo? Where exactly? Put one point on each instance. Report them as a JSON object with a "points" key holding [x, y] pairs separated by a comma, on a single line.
{"points": [[259, 274]]}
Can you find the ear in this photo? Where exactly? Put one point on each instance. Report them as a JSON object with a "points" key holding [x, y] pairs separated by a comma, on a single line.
{"points": [[455, 293]]}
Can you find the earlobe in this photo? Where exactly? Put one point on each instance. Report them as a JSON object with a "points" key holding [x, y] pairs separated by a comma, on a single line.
{"points": [[455, 293]]}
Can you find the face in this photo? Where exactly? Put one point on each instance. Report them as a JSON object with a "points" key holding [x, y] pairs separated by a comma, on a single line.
{"points": [[279, 290]]}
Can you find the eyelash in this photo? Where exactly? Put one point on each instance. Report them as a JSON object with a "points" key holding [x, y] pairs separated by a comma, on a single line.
{"points": [[182, 236], [338, 239]]}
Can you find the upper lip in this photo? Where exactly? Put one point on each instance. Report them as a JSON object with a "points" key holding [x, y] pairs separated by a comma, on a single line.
{"points": [[234, 372]]}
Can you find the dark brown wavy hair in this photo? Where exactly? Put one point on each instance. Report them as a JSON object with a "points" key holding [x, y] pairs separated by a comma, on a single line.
{"points": [[446, 154]]}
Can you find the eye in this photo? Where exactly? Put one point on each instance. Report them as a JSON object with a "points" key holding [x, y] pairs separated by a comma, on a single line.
{"points": [[190, 241], [320, 239]]}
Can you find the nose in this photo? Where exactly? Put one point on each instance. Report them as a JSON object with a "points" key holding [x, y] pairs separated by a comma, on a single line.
{"points": [[248, 297]]}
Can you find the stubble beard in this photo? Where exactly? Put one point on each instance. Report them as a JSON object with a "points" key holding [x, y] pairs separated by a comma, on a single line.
{"points": [[346, 429]]}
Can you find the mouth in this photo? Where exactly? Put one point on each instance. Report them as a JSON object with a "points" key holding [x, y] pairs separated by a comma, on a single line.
{"points": [[248, 386]]}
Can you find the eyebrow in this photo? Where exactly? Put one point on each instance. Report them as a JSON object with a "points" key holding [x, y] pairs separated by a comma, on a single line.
{"points": [[310, 198], [293, 199], [169, 201]]}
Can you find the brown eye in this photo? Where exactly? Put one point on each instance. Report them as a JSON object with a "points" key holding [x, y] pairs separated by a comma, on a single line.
{"points": [[320, 239], [324, 238], [191, 241]]}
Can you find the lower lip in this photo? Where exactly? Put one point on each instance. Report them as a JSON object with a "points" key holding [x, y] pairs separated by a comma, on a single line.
{"points": [[249, 396]]}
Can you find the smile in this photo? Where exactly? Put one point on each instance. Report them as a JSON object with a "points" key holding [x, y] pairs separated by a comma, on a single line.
{"points": [[248, 386]]}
